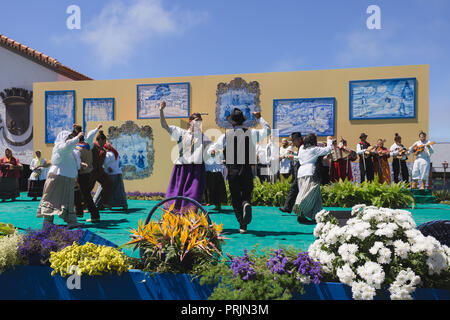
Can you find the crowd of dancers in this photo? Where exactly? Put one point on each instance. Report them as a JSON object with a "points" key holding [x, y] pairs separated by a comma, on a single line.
{"points": [[65, 183]]}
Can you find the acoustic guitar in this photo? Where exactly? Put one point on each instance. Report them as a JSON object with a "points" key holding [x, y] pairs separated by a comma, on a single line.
{"points": [[419, 149]]}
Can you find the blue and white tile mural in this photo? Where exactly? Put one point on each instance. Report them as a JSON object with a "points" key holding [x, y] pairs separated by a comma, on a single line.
{"points": [[135, 147], [150, 96], [383, 99], [314, 115], [97, 109], [59, 113], [237, 94]]}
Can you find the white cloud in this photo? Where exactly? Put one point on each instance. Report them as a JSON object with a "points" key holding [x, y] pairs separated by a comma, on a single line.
{"points": [[121, 29]]}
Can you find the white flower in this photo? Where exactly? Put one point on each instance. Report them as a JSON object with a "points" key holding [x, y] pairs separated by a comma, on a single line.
{"points": [[320, 217], [359, 208], [8, 250], [401, 248], [376, 246], [436, 262], [384, 256], [405, 283], [362, 291], [373, 273], [346, 274], [347, 252]]}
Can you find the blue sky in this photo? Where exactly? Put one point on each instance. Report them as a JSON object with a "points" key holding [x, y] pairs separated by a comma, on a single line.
{"points": [[155, 38]]}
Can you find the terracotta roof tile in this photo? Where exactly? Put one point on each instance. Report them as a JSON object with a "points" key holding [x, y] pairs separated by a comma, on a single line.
{"points": [[42, 58]]}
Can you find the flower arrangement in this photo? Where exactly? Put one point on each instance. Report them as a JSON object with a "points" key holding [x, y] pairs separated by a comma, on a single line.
{"points": [[9, 245], [379, 249], [176, 243], [89, 259], [136, 195], [275, 274], [38, 244]]}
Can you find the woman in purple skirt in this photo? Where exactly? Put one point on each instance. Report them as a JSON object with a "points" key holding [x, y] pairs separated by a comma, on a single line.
{"points": [[188, 177]]}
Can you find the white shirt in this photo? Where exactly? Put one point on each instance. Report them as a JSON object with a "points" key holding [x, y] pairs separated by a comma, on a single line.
{"points": [[285, 164], [426, 154], [265, 153], [68, 163], [111, 162], [395, 149], [184, 140], [35, 175], [308, 158], [255, 134]]}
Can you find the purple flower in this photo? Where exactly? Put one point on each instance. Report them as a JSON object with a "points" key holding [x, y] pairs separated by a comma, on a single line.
{"points": [[278, 262], [243, 266], [307, 267]]}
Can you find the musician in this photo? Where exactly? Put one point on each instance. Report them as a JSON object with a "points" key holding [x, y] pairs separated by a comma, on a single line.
{"points": [[340, 167], [399, 156], [365, 152], [380, 162], [421, 167]]}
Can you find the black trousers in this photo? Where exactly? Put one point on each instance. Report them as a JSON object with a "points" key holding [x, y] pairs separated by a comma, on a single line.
{"points": [[215, 191], [83, 193], [367, 172], [291, 196], [398, 166], [107, 186], [240, 180]]}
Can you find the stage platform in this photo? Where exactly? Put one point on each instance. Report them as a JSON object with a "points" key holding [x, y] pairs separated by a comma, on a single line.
{"points": [[269, 227]]}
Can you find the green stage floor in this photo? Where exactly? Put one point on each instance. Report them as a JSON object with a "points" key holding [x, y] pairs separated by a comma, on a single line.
{"points": [[269, 227]]}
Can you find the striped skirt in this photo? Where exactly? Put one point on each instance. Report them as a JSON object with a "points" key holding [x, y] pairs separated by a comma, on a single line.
{"points": [[309, 198]]}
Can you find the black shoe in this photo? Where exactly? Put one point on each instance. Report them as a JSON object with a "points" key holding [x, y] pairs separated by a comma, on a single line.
{"points": [[303, 220], [247, 213], [242, 229], [283, 210], [93, 220]]}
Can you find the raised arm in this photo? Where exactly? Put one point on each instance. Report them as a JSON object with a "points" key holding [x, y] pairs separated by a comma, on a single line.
{"points": [[163, 118], [91, 135], [265, 127]]}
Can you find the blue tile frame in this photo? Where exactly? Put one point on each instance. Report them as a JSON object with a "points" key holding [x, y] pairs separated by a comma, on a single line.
{"points": [[47, 93], [93, 99], [300, 99], [351, 117], [156, 84]]}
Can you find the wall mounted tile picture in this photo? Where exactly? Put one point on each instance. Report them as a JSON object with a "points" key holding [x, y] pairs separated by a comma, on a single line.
{"points": [[59, 113], [176, 95], [305, 115], [98, 109], [383, 99]]}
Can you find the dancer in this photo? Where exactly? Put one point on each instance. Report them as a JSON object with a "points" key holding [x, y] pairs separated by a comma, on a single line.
{"points": [[188, 175], [285, 162], [10, 168], [36, 181], [423, 150], [297, 141], [365, 152], [118, 197], [380, 162], [83, 181], [399, 156], [215, 193], [98, 173], [58, 194], [239, 164], [309, 198]]}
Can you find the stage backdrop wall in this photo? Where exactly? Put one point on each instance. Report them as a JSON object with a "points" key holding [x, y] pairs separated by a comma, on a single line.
{"points": [[203, 97]]}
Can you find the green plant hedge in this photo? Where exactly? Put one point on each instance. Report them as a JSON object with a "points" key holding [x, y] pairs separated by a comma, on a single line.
{"points": [[342, 194]]}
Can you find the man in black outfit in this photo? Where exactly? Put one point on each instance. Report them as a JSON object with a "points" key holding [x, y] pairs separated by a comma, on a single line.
{"points": [[297, 141], [365, 160], [239, 151]]}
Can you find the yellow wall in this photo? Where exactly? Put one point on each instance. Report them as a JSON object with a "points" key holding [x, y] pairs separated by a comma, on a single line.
{"points": [[277, 85]]}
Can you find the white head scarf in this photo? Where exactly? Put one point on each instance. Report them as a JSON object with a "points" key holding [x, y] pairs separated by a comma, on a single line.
{"points": [[60, 139]]}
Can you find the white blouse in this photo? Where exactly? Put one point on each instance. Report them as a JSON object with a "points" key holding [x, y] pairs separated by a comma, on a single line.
{"points": [[68, 163], [285, 164], [426, 154], [35, 175], [113, 163], [308, 157], [191, 147]]}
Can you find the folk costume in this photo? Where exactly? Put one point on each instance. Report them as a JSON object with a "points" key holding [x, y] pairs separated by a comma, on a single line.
{"points": [[309, 198], [381, 165], [58, 194], [10, 168], [421, 166], [239, 164], [340, 166], [36, 181], [365, 161], [285, 162], [83, 183], [118, 196], [399, 162], [99, 175], [215, 193]]}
